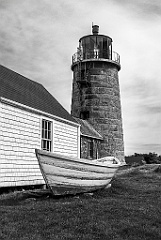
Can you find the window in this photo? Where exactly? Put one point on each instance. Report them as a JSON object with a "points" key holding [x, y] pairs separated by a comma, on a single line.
{"points": [[84, 115], [90, 148], [83, 74], [46, 135]]}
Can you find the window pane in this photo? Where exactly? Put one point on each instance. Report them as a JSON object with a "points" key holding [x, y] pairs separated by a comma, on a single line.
{"points": [[49, 126], [47, 145], [43, 144], [45, 124], [45, 134], [49, 135]]}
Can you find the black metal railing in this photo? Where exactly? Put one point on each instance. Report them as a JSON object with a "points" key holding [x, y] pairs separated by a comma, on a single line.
{"points": [[95, 54]]}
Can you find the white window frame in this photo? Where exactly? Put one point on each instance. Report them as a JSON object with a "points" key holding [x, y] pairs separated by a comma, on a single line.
{"points": [[47, 135]]}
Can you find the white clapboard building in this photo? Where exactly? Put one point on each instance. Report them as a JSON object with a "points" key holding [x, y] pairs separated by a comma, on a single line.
{"points": [[30, 118]]}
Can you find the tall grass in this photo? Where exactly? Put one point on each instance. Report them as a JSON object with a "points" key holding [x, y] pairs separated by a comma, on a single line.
{"points": [[130, 209]]}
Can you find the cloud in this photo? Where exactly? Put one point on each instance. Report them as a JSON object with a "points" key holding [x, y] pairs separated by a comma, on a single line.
{"points": [[38, 38], [145, 9], [143, 148]]}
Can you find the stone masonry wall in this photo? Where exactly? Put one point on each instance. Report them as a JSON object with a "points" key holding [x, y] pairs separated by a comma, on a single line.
{"points": [[101, 98]]}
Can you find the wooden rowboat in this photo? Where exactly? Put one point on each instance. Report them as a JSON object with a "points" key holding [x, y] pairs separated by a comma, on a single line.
{"points": [[67, 175]]}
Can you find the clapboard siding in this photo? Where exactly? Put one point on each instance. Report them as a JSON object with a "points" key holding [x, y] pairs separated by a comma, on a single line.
{"points": [[65, 139], [19, 136]]}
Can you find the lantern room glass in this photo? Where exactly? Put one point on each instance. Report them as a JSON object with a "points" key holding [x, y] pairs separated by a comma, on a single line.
{"points": [[95, 46]]}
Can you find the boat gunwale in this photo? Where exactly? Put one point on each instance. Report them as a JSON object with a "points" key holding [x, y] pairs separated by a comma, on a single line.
{"points": [[81, 160]]}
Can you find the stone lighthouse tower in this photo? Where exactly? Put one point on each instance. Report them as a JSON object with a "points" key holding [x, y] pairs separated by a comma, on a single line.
{"points": [[96, 92]]}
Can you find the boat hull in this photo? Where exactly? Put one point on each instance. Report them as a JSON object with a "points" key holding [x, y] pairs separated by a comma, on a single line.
{"points": [[66, 175]]}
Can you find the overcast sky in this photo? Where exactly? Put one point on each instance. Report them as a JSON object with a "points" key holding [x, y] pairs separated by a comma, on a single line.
{"points": [[38, 38]]}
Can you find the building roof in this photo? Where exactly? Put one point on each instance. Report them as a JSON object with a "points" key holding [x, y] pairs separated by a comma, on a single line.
{"points": [[87, 129], [18, 88]]}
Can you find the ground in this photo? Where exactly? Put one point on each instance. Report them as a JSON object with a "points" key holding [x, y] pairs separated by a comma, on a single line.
{"points": [[130, 209]]}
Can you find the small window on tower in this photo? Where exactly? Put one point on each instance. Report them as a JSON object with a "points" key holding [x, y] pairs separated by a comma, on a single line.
{"points": [[82, 74], [84, 115]]}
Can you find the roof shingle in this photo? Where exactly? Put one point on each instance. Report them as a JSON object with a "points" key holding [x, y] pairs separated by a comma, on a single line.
{"points": [[20, 89], [87, 129]]}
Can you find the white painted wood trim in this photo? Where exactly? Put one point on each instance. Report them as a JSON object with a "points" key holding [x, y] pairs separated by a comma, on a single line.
{"points": [[52, 131], [22, 106]]}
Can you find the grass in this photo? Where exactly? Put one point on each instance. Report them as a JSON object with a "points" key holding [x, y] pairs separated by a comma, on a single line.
{"points": [[130, 209]]}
